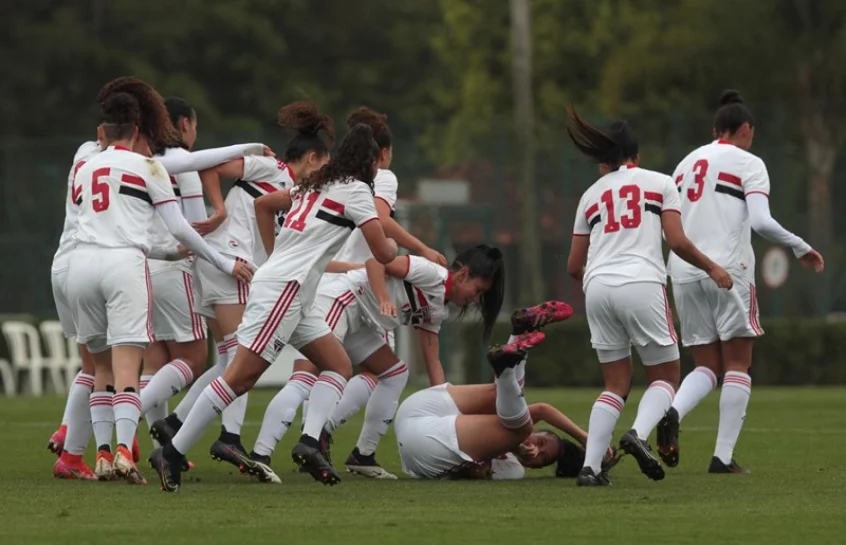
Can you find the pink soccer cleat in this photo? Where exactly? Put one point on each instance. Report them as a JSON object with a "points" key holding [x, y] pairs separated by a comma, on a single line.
{"points": [[71, 466], [534, 318], [502, 357], [56, 444]]}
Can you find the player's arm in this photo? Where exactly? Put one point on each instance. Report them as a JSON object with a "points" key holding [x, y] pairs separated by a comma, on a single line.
{"points": [[376, 278], [431, 347], [685, 249], [267, 206], [544, 412], [403, 238], [193, 206], [578, 256], [340, 267], [209, 158]]}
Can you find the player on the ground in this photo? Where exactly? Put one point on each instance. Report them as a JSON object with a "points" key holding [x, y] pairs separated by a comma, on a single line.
{"points": [[327, 207], [360, 307], [233, 231], [618, 228], [108, 279], [724, 193]]}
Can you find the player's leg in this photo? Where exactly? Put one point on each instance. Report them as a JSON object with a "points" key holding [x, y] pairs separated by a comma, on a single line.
{"points": [[228, 445], [153, 408], [77, 427], [102, 412], [356, 395]]}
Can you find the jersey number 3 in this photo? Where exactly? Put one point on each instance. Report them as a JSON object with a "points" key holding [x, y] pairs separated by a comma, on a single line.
{"points": [[631, 220]]}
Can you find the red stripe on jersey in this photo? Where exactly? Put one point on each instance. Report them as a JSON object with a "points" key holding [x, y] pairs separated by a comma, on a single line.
{"points": [[421, 300], [758, 193], [134, 180], [653, 196], [729, 178], [592, 209], [332, 205], [268, 188]]}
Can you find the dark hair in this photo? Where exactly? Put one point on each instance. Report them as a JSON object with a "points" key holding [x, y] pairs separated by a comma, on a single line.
{"points": [[377, 122], [120, 114], [571, 458], [154, 121], [304, 118], [353, 161], [611, 146], [732, 114], [486, 262], [177, 108]]}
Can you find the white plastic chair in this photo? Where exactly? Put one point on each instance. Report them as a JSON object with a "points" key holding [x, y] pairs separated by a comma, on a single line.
{"points": [[58, 358], [25, 351], [10, 386]]}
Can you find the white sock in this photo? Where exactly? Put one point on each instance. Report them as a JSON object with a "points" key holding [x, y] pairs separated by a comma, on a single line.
{"points": [[78, 414], [520, 368], [325, 394], [694, 388], [737, 387], [102, 417], [193, 393], [304, 414], [603, 419], [510, 404], [653, 406], [356, 395], [166, 383], [381, 407], [233, 416], [68, 400], [127, 407], [282, 410], [216, 397]]}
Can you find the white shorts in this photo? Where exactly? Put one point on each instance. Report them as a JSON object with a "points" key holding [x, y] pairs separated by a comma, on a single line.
{"points": [[174, 317], [632, 314], [426, 435], [109, 294], [708, 313], [215, 287], [59, 281]]}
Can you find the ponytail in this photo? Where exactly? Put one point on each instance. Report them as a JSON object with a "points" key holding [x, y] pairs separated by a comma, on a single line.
{"points": [[612, 146], [486, 262]]}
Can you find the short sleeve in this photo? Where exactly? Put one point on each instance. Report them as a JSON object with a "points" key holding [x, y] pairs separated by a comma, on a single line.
{"points": [[424, 273], [757, 179], [359, 206], [189, 185], [671, 200], [158, 183], [259, 168], [581, 228], [385, 187]]}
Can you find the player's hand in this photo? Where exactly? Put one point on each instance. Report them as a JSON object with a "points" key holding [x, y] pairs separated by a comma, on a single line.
{"points": [[813, 260], [388, 308], [721, 277], [184, 252], [267, 152], [210, 225], [434, 256], [529, 451], [242, 271]]}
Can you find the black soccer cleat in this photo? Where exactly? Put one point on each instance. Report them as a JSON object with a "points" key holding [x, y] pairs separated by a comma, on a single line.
{"points": [[587, 477], [668, 438], [306, 454], [610, 461], [259, 467], [366, 466], [162, 432], [630, 443], [717, 466], [233, 453], [169, 473], [326, 445]]}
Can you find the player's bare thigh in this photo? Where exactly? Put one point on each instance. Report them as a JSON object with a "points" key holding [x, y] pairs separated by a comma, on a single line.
{"points": [[228, 317], [474, 398], [482, 436]]}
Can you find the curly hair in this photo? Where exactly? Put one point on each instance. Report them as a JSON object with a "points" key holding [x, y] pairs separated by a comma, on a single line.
{"points": [[354, 160], [154, 121], [304, 118], [378, 123]]}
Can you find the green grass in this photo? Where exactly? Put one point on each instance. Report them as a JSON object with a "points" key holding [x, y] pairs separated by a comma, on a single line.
{"points": [[794, 442]]}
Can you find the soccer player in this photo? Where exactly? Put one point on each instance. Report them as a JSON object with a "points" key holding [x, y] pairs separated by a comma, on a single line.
{"points": [[618, 228], [327, 207], [360, 307], [724, 192], [233, 231], [108, 279]]}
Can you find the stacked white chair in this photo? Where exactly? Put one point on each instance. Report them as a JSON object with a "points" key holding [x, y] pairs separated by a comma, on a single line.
{"points": [[24, 344], [60, 358]]}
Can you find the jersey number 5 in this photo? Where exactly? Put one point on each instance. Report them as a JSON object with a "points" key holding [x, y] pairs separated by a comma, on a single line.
{"points": [[631, 194], [296, 218], [100, 190]]}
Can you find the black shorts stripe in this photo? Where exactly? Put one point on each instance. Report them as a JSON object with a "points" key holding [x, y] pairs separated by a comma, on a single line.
{"points": [[335, 220], [594, 221], [176, 191], [654, 208], [137, 193], [251, 191], [409, 292], [736, 193]]}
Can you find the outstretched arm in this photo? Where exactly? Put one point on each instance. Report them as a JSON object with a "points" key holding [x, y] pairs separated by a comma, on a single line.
{"points": [[544, 412], [430, 344], [208, 158]]}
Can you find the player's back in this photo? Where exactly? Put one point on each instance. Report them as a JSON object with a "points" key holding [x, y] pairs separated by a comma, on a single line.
{"points": [[186, 184], [72, 201], [621, 213], [118, 189], [712, 182]]}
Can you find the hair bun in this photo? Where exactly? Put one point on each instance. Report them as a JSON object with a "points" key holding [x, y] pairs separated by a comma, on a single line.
{"points": [[730, 96]]}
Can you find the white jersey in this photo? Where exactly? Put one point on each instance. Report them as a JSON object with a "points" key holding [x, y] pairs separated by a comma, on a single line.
{"points": [[85, 152], [185, 186], [356, 249], [713, 182], [319, 223], [119, 189], [621, 213], [420, 297], [238, 236]]}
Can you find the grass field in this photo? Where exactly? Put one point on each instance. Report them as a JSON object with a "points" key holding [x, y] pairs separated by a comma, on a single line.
{"points": [[794, 442]]}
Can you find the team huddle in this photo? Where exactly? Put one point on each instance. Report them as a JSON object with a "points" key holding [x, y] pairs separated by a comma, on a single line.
{"points": [[303, 251]]}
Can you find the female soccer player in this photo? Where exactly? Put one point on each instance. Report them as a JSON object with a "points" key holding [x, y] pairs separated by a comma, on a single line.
{"points": [[327, 207], [724, 191], [618, 227], [222, 299], [108, 279], [360, 307]]}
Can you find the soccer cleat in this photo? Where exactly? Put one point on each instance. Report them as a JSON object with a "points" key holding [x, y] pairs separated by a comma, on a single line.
{"points": [[533, 318], [136, 451], [630, 443], [717, 466], [104, 465], [326, 445], [502, 357], [233, 453], [366, 466], [125, 466], [306, 453], [170, 477], [668, 438], [56, 444], [587, 477], [259, 466], [70, 466], [611, 460]]}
